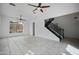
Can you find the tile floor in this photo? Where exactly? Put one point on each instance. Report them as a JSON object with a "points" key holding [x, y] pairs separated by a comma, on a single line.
{"points": [[25, 45]]}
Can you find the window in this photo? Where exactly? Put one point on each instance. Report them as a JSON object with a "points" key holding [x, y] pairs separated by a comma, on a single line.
{"points": [[16, 27]]}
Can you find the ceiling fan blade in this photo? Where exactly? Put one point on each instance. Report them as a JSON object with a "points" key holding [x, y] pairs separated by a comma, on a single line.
{"points": [[34, 12], [35, 9], [32, 5], [45, 6], [22, 19], [41, 10], [12, 4], [39, 5]]}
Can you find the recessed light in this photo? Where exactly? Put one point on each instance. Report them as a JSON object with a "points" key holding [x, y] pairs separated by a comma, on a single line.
{"points": [[75, 17]]}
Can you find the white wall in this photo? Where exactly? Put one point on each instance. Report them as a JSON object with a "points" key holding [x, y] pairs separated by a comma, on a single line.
{"points": [[5, 23], [70, 25], [41, 31]]}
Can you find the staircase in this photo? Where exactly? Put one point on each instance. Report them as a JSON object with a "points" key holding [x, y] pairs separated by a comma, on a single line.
{"points": [[57, 30]]}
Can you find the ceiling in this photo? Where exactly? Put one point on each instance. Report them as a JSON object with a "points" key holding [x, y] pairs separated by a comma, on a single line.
{"points": [[56, 9]]}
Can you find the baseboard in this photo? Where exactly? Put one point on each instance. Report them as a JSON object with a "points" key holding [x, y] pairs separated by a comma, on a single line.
{"points": [[71, 38], [14, 36]]}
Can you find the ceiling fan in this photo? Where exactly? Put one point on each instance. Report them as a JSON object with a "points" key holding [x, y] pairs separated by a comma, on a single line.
{"points": [[39, 7], [12, 4], [21, 19]]}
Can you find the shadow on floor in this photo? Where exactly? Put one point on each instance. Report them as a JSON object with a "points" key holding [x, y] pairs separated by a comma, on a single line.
{"points": [[73, 42]]}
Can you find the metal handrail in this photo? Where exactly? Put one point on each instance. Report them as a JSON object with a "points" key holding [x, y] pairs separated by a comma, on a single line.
{"points": [[56, 28]]}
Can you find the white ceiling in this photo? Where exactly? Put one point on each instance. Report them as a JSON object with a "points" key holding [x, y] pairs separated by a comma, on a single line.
{"points": [[56, 9]]}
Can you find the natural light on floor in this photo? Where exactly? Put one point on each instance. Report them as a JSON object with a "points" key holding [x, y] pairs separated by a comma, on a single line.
{"points": [[72, 50], [29, 53]]}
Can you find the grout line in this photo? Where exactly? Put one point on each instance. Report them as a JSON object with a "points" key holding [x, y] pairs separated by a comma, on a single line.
{"points": [[18, 47], [9, 46]]}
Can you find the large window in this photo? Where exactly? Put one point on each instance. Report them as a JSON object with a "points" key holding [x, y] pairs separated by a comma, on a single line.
{"points": [[16, 27]]}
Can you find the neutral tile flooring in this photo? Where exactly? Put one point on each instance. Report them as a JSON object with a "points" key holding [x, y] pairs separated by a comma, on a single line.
{"points": [[28, 45]]}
